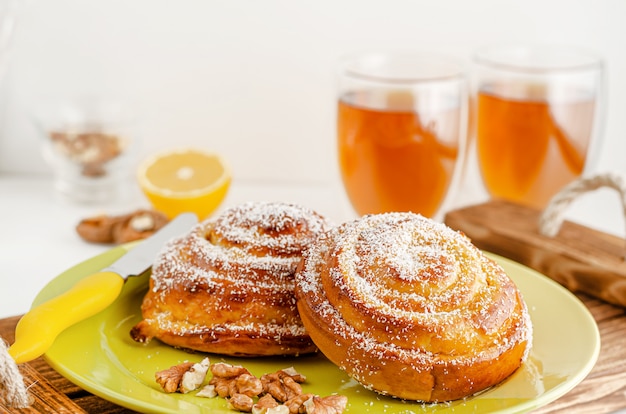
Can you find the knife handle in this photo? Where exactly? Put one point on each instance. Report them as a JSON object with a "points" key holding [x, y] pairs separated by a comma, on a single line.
{"points": [[37, 329]]}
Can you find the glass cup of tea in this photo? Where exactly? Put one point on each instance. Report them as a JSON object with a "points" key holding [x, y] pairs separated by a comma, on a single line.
{"points": [[539, 112], [401, 130]]}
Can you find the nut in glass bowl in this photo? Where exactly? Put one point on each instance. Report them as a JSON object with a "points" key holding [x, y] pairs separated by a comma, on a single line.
{"points": [[90, 145]]}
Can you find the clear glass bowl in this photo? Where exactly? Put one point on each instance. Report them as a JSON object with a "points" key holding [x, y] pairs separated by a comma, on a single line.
{"points": [[90, 145]]}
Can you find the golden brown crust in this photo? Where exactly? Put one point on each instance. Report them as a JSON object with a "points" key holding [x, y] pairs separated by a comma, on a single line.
{"points": [[411, 309], [228, 286]]}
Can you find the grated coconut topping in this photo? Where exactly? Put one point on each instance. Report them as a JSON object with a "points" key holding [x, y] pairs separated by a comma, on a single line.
{"points": [[251, 250], [423, 292]]}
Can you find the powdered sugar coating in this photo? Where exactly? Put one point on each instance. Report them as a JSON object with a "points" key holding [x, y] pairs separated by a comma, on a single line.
{"points": [[232, 277], [401, 287]]}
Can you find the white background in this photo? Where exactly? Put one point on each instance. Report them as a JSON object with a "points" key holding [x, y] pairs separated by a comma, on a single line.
{"points": [[254, 80]]}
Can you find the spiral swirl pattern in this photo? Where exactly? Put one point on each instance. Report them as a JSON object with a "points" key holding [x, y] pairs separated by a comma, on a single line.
{"points": [[228, 286], [411, 308]]}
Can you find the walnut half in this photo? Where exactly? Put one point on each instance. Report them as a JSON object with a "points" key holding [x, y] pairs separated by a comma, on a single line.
{"points": [[241, 402], [229, 380], [184, 377], [170, 379], [332, 404], [283, 384], [268, 405], [314, 404]]}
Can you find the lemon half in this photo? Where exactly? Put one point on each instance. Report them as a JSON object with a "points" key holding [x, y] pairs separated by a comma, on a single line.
{"points": [[185, 180]]}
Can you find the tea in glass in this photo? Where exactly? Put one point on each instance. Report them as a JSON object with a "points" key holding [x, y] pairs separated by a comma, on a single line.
{"points": [[537, 118], [401, 123]]}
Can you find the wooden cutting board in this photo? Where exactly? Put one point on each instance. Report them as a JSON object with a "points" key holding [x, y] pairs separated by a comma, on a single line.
{"points": [[581, 259]]}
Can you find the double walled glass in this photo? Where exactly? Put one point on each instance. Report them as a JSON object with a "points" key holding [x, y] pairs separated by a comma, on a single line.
{"points": [[539, 117], [401, 131]]}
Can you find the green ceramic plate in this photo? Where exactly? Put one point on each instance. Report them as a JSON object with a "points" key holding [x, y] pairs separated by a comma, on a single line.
{"points": [[99, 355]]}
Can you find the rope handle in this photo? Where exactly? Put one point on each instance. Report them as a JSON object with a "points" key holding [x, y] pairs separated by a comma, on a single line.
{"points": [[552, 217], [13, 390]]}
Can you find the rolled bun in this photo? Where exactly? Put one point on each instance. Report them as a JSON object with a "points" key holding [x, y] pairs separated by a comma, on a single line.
{"points": [[411, 309], [227, 286]]}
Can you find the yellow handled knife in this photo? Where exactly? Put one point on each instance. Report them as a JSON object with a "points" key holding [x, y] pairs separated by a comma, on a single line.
{"points": [[37, 330]]}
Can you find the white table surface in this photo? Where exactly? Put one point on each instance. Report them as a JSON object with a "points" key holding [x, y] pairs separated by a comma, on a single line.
{"points": [[38, 239]]}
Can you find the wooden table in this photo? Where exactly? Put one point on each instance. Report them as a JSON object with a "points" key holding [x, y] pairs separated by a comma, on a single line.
{"points": [[603, 391]]}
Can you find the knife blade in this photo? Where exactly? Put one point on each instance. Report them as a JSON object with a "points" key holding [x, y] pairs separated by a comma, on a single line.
{"points": [[37, 329]]}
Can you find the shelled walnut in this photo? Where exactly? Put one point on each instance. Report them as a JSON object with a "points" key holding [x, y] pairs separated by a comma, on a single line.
{"points": [[229, 380], [275, 393], [241, 402], [283, 384], [184, 377], [268, 405], [332, 404], [170, 379]]}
